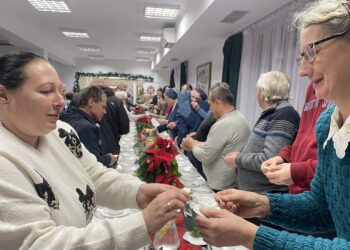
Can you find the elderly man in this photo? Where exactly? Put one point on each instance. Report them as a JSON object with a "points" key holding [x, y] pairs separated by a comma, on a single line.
{"points": [[229, 133], [92, 108], [124, 87], [276, 127]]}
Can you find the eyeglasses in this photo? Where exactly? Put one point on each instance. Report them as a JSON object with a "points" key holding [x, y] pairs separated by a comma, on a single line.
{"points": [[309, 52]]}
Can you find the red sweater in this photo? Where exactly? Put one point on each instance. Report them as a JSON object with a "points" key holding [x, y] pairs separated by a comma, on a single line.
{"points": [[302, 154]]}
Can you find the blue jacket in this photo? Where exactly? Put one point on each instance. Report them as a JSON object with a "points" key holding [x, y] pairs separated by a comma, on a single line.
{"points": [[88, 132], [190, 123], [171, 117]]}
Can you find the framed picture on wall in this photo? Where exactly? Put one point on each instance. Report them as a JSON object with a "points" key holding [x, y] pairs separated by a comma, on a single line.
{"points": [[204, 76]]}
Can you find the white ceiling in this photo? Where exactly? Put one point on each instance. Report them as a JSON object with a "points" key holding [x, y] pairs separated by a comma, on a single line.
{"points": [[115, 25]]}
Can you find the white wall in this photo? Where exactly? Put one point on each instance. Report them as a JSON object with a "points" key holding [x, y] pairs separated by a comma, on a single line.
{"points": [[114, 66], [65, 72], [120, 66], [162, 77], [213, 55]]}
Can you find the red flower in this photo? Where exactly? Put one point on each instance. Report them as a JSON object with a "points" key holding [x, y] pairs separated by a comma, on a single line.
{"points": [[158, 163], [138, 110], [143, 122]]}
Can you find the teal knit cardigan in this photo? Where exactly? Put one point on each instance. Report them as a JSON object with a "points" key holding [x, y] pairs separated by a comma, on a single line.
{"points": [[326, 208]]}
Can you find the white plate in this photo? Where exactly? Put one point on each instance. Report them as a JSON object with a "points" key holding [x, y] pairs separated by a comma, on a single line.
{"points": [[194, 240]]}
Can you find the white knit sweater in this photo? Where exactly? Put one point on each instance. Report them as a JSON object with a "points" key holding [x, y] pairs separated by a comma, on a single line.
{"points": [[48, 195]]}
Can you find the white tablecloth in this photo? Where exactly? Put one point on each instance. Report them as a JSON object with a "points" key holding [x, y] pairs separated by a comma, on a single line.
{"points": [[191, 179]]}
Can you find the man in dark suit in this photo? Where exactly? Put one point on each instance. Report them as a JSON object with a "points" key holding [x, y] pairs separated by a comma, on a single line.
{"points": [[114, 124]]}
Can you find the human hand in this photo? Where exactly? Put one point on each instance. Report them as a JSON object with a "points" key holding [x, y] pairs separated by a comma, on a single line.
{"points": [[192, 134], [114, 159], [147, 192], [164, 207], [187, 143], [266, 165], [230, 159], [162, 121], [222, 228], [243, 203], [280, 174], [195, 105], [171, 125]]}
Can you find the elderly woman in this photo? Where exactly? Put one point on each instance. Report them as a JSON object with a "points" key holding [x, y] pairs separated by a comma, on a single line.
{"points": [[50, 184], [188, 119], [199, 102], [325, 56], [276, 127]]}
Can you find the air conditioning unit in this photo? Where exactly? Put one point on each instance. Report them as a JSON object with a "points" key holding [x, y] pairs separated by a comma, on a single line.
{"points": [[168, 39]]}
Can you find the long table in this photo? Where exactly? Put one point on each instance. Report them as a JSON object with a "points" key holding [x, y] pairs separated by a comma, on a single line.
{"points": [[190, 178]]}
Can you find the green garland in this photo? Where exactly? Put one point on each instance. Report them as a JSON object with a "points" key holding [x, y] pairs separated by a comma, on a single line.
{"points": [[76, 87]]}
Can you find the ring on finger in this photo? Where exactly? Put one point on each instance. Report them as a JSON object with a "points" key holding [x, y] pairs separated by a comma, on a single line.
{"points": [[169, 205]]}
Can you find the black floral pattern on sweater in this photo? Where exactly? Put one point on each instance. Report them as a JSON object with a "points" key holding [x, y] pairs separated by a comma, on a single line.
{"points": [[72, 141], [45, 192], [88, 201]]}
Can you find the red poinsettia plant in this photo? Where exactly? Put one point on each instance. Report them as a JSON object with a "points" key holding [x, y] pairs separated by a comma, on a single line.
{"points": [[158, 163], [138, 110], [143, 122]]}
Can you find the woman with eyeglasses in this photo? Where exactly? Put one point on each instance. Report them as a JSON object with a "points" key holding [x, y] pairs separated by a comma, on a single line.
{"points": [[324, 28]]}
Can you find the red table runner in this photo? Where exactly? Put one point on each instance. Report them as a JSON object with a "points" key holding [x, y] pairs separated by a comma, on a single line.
{"points": [[181, 230]]}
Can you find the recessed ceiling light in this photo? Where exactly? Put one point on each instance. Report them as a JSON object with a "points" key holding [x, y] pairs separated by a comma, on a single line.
{"points": [[97, 57], [75, 33], [162, 11], [89, 48], [150, 38], [147, 51], [51, 6], [143, 59]]}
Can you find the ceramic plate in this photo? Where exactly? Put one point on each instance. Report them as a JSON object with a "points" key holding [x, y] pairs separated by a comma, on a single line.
{"points": [[194, 240]]}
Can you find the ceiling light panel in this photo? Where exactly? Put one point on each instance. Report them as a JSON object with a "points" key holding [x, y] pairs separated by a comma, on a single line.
{"points": [[146, 51], [143, 59], [96, 57], [50, 6], [89, 48], [150, 38], [75, 33], [162, 11]]}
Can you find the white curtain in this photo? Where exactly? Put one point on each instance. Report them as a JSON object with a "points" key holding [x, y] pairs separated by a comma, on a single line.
{"points": [[177, 76], [270, 44]]}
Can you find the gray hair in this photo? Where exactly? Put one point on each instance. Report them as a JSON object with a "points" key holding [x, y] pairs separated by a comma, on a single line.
{"points": [[221, 91], [333, 15], [274, 86]]}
